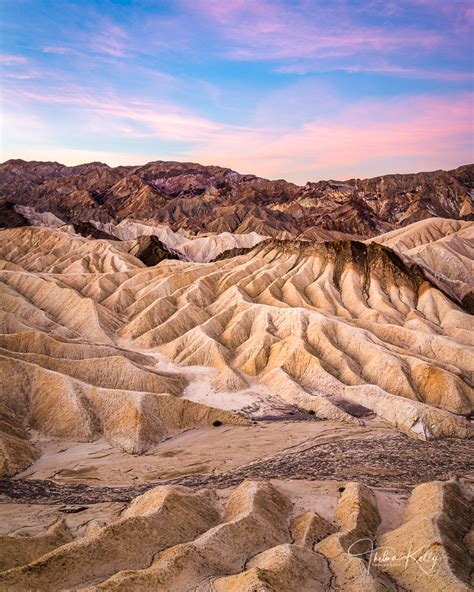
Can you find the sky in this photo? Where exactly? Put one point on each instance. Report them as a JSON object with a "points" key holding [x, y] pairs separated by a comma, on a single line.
{"points": [[298, 89]]}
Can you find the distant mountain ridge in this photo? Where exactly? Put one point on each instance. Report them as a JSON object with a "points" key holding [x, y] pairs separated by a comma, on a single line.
{"points": [[210, 199]]}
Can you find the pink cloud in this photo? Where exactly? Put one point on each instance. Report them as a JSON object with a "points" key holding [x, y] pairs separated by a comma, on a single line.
{"points": [[17, 67], [132, 118], [12, 60], [103, 38], [57, 50], [110, 39], [271, 30], [419, 73], [433, 132], [424, 128]]}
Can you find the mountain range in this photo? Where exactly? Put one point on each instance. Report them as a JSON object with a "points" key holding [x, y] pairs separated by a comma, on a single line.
{"points": [[211, 199], [214, 381]]}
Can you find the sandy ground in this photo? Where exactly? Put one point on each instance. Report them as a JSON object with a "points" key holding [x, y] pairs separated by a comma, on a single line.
{"points": [[88, 484], [34, 519], [199, 450]]}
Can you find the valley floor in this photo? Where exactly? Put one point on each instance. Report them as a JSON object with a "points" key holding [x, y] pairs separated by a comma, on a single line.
{"points": [[79, 492], [219, 457]]}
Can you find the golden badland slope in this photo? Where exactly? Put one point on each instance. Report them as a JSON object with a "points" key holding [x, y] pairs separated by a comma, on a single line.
{"points": [[171, 538], [85, 326], [445, 250], [61, 373]]}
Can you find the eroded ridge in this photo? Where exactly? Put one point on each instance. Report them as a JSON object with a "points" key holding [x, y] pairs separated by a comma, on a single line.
{"points": [[113, 351], [256, 538], [201, 199], [436, 532]]}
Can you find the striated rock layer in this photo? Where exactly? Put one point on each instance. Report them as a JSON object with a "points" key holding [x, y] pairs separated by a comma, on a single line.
{"points": [[95, 343], [444, 249], [212, 199], [174, 539]]}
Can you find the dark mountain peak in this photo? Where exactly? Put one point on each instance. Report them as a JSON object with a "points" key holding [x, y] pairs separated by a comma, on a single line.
{"points": [[200, 198]]}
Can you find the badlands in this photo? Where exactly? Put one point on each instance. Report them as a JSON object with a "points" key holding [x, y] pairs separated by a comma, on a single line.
{"points": [[211, 381]]}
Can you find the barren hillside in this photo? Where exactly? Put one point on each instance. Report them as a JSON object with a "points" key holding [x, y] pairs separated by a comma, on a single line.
{"points": [[211, 381]]}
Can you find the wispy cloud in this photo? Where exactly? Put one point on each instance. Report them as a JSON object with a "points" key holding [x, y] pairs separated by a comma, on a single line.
{"points": [[275, 30], [433, 128], [17, 67], [134, 118], [419, 73], [24, 75], [57, 50], [102, 38], [109, 39], [12, 60]]}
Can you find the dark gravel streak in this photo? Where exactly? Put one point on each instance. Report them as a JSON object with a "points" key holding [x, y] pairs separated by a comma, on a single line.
{"points": [[395, 460]]}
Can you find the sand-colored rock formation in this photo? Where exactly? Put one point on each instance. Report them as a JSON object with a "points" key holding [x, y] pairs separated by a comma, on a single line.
{"points": [[86, 326], [173, 539], [285, 567], [445, 250], [22, 550], [317, 320], [174, 325], [201, 248], [160, 519], [48, 250], [255, 518], [84, 399], [310, 528], [429, 543], [347, 550]]}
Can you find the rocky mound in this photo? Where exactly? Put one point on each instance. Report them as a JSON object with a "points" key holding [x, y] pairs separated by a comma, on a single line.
{"points": [[150, 250], [9, 217], [200, 248], [444, 249], [171, 538]]}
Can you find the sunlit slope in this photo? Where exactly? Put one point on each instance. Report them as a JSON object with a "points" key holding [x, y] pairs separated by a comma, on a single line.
{"points": [[174, 539], [312, 323], [445, 250]]}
